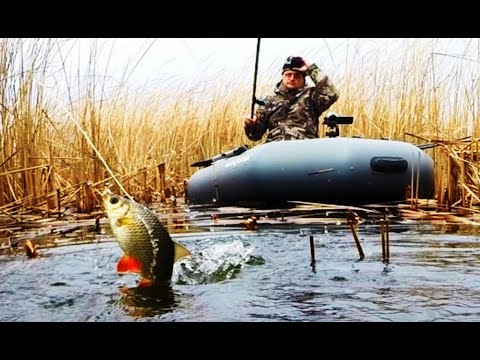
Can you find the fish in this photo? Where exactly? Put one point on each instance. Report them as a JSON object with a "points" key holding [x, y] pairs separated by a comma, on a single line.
{"points": [[148, 249]]}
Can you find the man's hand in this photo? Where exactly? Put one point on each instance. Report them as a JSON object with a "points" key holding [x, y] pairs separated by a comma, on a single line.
{"points": [[251, 121], [304, 66]]}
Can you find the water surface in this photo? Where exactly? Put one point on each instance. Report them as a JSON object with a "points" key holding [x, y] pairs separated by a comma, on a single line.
{"points": [[262, 275]]}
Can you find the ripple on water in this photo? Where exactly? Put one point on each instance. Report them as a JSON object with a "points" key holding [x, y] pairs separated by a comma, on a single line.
{"points": [[263, 275]]}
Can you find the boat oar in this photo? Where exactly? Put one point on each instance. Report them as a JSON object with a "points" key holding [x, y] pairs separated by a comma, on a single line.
{"points": [[234, 152], [430, 145], [254, 99]]}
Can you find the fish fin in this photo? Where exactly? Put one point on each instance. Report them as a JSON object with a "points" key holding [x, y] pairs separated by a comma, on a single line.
{"points": [[129, 264], [125, 221], [145, 282], [180, 251]]}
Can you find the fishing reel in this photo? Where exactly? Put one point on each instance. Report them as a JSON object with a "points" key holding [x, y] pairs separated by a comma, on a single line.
{"points": [[332, 121]]}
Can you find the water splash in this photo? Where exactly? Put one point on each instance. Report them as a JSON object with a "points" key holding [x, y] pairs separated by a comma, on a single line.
{"points": [[214, 264]]}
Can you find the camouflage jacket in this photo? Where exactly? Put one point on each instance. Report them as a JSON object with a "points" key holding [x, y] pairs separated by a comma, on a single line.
{"points": [[291, 115]]}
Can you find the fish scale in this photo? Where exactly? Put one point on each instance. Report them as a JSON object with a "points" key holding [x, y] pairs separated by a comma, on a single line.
{"points": [[160, 249]]}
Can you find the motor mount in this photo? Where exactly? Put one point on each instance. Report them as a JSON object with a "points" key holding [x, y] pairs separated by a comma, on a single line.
{"points": [[332, 120]]}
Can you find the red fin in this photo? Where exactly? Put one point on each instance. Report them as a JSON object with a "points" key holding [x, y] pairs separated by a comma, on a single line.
{"points": [[129, 264], [145, 282]]}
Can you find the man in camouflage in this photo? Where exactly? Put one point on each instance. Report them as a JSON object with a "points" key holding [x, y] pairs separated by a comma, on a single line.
{"points": [[293, 111]]}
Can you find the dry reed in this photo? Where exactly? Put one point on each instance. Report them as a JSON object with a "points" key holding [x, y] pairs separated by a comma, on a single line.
{"points": [[149, 139]]}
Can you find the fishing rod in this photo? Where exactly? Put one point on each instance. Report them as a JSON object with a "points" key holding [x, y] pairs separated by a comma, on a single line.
{"points": [[254, 99], [241, 149]]}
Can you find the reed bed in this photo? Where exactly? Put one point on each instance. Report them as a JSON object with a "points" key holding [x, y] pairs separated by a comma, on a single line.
{"points": [[149, 138]]}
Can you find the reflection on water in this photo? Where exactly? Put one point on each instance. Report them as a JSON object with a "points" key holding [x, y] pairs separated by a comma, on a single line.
{"points": [[148, 301]]}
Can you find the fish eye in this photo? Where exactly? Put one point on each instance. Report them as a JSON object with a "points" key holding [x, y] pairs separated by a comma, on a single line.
{"points": [[114, 200]]}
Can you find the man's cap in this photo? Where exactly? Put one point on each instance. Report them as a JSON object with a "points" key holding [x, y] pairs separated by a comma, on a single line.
{"points": [[293, 62]]}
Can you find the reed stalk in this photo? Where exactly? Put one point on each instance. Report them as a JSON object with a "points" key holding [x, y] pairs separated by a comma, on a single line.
{"points": [[94, 131]]}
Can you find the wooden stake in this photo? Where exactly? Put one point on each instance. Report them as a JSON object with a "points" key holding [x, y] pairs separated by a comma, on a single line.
{"points": [[387, 240], [382, 234], [59, 205], [163, 185], [385, 230], [351, 221], [312, 253]]}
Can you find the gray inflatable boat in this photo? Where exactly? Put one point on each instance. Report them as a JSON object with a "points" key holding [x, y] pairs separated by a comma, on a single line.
{"points": [[333, 170]]}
